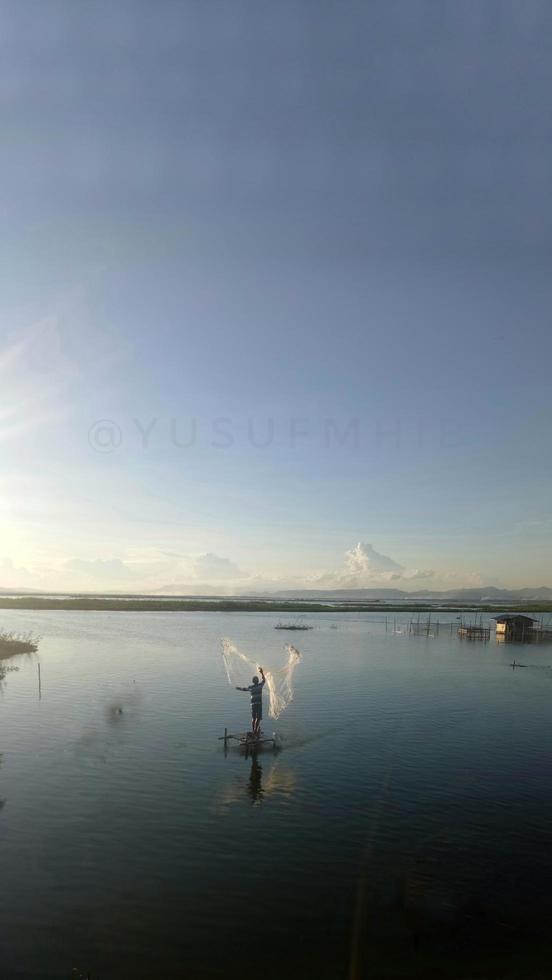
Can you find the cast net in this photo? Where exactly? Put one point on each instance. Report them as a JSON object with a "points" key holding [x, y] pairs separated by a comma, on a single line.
{"points": [[279, 681]]}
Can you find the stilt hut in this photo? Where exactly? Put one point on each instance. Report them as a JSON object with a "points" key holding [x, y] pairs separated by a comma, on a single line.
{"points": [[514, 627]]}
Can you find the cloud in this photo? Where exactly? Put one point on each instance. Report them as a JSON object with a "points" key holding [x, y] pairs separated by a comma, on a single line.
{"points": [[467, 579], [12, 576], [364, 560], [364, 567], [155, 570], [112, 569], [418, 574], [211, 566]]}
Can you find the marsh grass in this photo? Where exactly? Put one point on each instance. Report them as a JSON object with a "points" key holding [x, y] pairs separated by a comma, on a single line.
{"points": [[14, 643]]}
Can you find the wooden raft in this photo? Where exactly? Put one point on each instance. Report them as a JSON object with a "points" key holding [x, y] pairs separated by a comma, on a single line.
{"points": [[248, 741]]}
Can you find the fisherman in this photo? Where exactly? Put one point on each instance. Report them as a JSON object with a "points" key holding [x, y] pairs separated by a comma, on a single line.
{"points": [[256, 691]]}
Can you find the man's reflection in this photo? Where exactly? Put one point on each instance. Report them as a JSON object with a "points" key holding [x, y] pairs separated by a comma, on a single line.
{"points": [[257, 787], [255, 784]]}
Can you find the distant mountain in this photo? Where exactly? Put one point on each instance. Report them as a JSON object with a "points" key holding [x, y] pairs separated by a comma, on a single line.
{"points": [[201, 589], [357, 595], [485, 594], [543, 594], [540, 594], [489, 593]]}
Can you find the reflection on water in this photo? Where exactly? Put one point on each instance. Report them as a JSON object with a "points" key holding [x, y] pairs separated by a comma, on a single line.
{"points": [[403, 827], [281, 782], [8, 667], [122, 703], [255, 781], [4, 670], [300, 741], [278, 782], [113, 713]]}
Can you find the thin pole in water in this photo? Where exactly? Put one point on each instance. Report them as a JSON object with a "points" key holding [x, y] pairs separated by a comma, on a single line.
{"points": [[39, 685]]}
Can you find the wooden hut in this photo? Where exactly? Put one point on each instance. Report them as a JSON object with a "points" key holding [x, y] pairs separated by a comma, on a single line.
{"points": [[514, 627]]}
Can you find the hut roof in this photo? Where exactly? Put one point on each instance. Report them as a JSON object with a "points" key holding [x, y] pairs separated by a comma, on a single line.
{"points": [[514, 618]]}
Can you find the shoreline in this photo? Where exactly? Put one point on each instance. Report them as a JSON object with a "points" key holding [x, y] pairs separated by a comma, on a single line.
{"points": [[103, 604]]}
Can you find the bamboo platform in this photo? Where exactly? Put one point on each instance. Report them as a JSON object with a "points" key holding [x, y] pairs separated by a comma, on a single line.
{"points": [[248, 742], [474, 632], [293, 626]]}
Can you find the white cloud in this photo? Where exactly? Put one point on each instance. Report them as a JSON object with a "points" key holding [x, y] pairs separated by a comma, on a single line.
{"points": [[364, 567], [467, 579], [364, 560], [102, 569], [155, 570], [13, 577], [210, 566]]}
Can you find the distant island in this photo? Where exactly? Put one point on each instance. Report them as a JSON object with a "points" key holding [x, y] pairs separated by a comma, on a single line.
{"points": [[310, 601]]}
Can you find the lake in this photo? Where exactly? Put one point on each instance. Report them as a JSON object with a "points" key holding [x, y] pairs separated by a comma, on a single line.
{"points": [[403, 830]]}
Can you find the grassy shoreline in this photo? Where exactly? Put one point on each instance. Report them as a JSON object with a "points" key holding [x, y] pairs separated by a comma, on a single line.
{"points": [[13, 643], [116, 604]]}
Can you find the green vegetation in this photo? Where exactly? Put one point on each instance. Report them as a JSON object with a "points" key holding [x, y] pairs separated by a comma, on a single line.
{"points": [[14, 643], [142, 604]]}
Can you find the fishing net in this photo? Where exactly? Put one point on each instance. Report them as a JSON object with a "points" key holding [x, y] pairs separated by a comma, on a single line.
{"points": [[279, 681]]}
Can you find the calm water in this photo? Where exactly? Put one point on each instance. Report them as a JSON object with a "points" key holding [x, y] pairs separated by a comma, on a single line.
{"points": [[411, 805]]}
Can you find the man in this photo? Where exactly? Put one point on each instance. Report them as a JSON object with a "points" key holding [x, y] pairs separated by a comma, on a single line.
{"points": [[256, 691]]}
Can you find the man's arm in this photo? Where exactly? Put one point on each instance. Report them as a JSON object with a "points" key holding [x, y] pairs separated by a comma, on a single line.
{"points": [[242, 689], [261, 672]]}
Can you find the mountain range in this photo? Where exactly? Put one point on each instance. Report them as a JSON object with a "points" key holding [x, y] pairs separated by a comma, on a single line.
{"points": [[489, 593]]}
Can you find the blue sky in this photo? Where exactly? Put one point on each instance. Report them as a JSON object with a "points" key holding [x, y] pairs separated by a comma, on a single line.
{"points": [[275, 281]]}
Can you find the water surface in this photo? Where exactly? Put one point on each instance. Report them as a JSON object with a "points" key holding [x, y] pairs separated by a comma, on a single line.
{"points": [[411, 803]]}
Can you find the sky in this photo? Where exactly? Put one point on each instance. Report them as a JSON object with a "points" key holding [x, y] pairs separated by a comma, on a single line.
{"points": [[275, 295]]}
